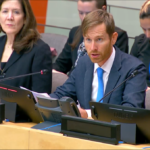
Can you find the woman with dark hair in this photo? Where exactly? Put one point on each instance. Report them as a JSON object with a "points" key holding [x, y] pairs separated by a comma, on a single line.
{"points": [[21, 49], [141, 46]]}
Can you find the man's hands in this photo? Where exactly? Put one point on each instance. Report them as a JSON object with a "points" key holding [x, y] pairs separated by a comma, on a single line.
{"points": [[83, 113], [148, 88], [55, 71]]}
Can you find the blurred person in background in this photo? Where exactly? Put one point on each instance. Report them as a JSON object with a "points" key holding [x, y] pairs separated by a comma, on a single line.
{"points": [[141, 46]]}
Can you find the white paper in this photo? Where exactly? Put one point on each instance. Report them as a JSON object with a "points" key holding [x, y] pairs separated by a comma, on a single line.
{"points": [[36, 94]]}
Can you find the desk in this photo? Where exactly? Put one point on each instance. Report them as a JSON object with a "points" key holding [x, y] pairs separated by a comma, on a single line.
{"points": [[20, 136]]}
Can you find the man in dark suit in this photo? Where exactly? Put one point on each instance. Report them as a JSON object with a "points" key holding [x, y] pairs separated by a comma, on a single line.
{"points": [[67, 58], [84, 82]]}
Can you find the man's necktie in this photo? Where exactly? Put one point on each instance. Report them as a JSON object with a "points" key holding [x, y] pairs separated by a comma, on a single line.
{"points": [[100, 91]]}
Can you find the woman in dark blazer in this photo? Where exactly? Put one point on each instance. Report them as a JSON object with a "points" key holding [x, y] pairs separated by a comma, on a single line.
{"points": [[141, 46], [21, 49]]}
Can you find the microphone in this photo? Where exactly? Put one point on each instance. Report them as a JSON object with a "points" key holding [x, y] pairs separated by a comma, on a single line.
{"points": [[133, 74], [44, 71]]}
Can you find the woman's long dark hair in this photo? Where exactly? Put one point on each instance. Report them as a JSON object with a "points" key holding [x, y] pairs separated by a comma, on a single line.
{"points": [[28, 35]]}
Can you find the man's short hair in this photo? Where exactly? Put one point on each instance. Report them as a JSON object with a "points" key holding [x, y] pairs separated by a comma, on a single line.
{"points": [[145, 10], [99, 3], [98, 17]]}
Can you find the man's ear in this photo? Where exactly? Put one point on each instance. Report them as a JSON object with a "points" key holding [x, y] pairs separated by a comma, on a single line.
{"points": [[104, 7], [114, 38]]}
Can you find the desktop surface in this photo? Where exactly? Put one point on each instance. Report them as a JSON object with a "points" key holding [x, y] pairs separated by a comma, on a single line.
{"points": [[23, 137]]}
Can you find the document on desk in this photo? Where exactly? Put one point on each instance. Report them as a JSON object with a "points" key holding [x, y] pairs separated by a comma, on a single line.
{"points": [[36, 94]]}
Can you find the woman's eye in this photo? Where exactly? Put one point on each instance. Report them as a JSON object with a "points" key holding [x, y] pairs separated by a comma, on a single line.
{"points": [[4, 11], [16, 12]]}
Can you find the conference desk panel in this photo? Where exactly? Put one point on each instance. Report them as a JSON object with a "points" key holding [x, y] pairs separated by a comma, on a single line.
{"points": [[21, 136]]}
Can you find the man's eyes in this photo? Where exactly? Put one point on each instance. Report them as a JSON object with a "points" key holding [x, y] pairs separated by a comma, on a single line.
{"points": [[88, 39], [96, 40], [99, 39]]}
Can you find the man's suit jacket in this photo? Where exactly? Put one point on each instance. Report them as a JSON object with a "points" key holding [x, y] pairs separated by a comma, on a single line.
{"points": [[38, 58], [141, 50], [67, 57], [132, 93]]}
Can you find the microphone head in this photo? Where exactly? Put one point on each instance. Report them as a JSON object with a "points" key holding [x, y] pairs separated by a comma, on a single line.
{"points": [[134, 73], [44, 71]]}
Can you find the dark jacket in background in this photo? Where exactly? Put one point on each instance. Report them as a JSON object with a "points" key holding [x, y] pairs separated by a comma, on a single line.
{"points": [[141, 50], [38, 58]]}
